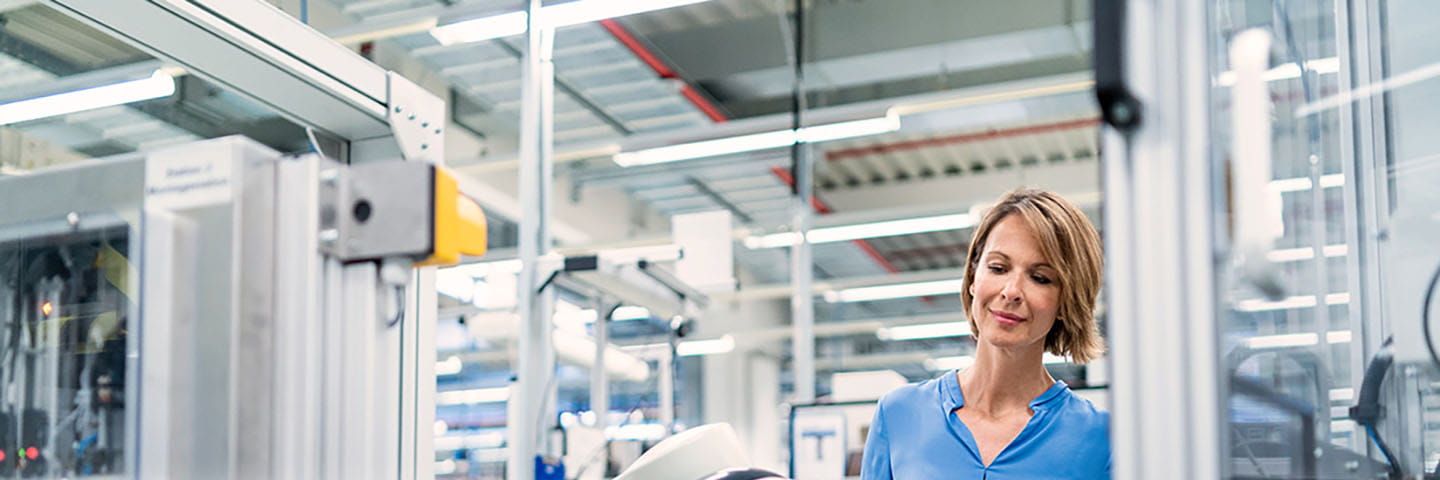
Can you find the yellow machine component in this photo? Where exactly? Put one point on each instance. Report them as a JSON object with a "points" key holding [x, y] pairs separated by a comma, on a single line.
{"points": [[459, 223]]}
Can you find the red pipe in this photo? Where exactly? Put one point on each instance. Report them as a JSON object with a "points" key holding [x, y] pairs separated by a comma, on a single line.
{"points": [[688, 91], [708, 106], [958, 139]]}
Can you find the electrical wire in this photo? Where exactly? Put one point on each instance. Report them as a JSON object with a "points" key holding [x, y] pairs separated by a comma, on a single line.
{"points": [[1384, 450], [1425, 319], [314, 144]]}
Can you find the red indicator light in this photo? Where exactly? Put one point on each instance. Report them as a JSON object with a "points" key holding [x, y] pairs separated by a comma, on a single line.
{"points": [[32, 453], [2, 455], [47, 308]]}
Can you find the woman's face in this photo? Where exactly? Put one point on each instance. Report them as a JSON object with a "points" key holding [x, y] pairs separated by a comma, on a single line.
{"points": [[1015, 294]]}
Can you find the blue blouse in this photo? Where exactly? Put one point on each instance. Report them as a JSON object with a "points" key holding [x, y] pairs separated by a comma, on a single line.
{"points": [[916, 435]]}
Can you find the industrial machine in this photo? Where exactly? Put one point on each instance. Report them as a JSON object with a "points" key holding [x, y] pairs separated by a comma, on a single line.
{"points": [[218, 310]]}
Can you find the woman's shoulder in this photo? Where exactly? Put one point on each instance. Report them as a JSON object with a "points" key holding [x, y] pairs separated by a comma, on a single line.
{"points": [[928, 392], [1079, 409]]}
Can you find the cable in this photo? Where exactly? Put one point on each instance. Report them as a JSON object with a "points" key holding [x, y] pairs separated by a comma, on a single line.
{"points": [[1367, 410], [1384, 450], [314, 144], [1425, 318]]}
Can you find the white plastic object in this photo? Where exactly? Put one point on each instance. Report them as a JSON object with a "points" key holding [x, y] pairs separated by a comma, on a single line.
{"points": [[1257, 206], [691, 454]]}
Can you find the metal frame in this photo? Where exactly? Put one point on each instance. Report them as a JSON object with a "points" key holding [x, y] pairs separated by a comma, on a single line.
{"points": [[262, 53], [1159, 228]]}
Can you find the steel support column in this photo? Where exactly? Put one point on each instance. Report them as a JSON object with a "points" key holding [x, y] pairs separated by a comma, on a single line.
{"points": [[531, 402]]}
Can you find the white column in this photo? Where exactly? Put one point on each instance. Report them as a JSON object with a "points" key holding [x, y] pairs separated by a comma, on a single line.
{"points": [[532, 399]]}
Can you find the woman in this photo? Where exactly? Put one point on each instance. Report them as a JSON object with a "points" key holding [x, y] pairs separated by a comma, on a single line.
{"points": [[1032, 275]]}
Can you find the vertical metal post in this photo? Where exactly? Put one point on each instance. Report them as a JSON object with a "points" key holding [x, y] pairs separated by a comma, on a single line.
{"points": [[1160, 227], [667, 390], [802, 265], [530, 400], [1362, 146], [599, 376]]}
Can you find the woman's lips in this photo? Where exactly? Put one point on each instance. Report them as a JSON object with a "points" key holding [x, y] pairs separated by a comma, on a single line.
{"points": [[1007, 319]]}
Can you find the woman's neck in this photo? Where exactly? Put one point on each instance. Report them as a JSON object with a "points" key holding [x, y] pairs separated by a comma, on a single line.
{"points": [[1003, 380]]}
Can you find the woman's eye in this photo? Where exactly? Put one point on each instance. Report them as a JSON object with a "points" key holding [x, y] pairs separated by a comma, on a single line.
{"points": [[996, 268], [1040, 279]]}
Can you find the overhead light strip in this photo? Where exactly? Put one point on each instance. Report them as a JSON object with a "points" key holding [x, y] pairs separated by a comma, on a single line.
{"points": [[924, 331], [888, 228], [887, 292], [1296, 339], [961, 362], [553, 16], [473, 396], [158, 84], [759, 141]]}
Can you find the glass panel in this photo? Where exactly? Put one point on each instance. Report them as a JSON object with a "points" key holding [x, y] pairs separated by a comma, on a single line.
{"points": [[68, 282], [1353, 165]]}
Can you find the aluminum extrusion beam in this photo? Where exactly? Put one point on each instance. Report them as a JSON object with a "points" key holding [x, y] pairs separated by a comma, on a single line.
{"points": [[255, 50]]}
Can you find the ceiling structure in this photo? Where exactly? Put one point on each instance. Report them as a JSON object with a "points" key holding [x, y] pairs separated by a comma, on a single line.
{"points": [[955, 71]]}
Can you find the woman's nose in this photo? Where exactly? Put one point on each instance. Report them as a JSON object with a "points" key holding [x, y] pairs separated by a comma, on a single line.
{"points": [[1011, 290]]}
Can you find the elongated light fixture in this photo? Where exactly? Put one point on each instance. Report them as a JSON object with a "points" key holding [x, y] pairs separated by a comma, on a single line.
{"points": [[473, 396], [159, 84], [965, 361], [759, 141], [925, 330], [554, 16], [888, 228], [901, 290], [691, 348], [1296, 339]]}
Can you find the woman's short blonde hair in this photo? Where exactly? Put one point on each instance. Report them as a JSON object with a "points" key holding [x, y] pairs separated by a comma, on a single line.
{"points": [[1071, 245]]}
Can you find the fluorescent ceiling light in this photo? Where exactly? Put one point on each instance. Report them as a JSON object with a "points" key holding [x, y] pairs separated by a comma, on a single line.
{"points": [[473, 396], [469, 442], [724, 344], [928, 330], [586, 11], [1296, 339], [886, 292], [965, 361], [486, 28], [449, 366], [1286, 71], [759, 141], [554, 16], [1303, 183], [630, 312], [159, 84], [888, 228], [1303, 301], [1297, 254]]}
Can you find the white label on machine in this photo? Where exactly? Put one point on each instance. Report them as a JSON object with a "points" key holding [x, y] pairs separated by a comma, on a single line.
{"points": [[817, 446], [191, 177]]}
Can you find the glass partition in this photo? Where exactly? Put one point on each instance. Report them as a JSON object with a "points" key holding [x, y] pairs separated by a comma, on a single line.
{"points": [[1305, 330]]}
